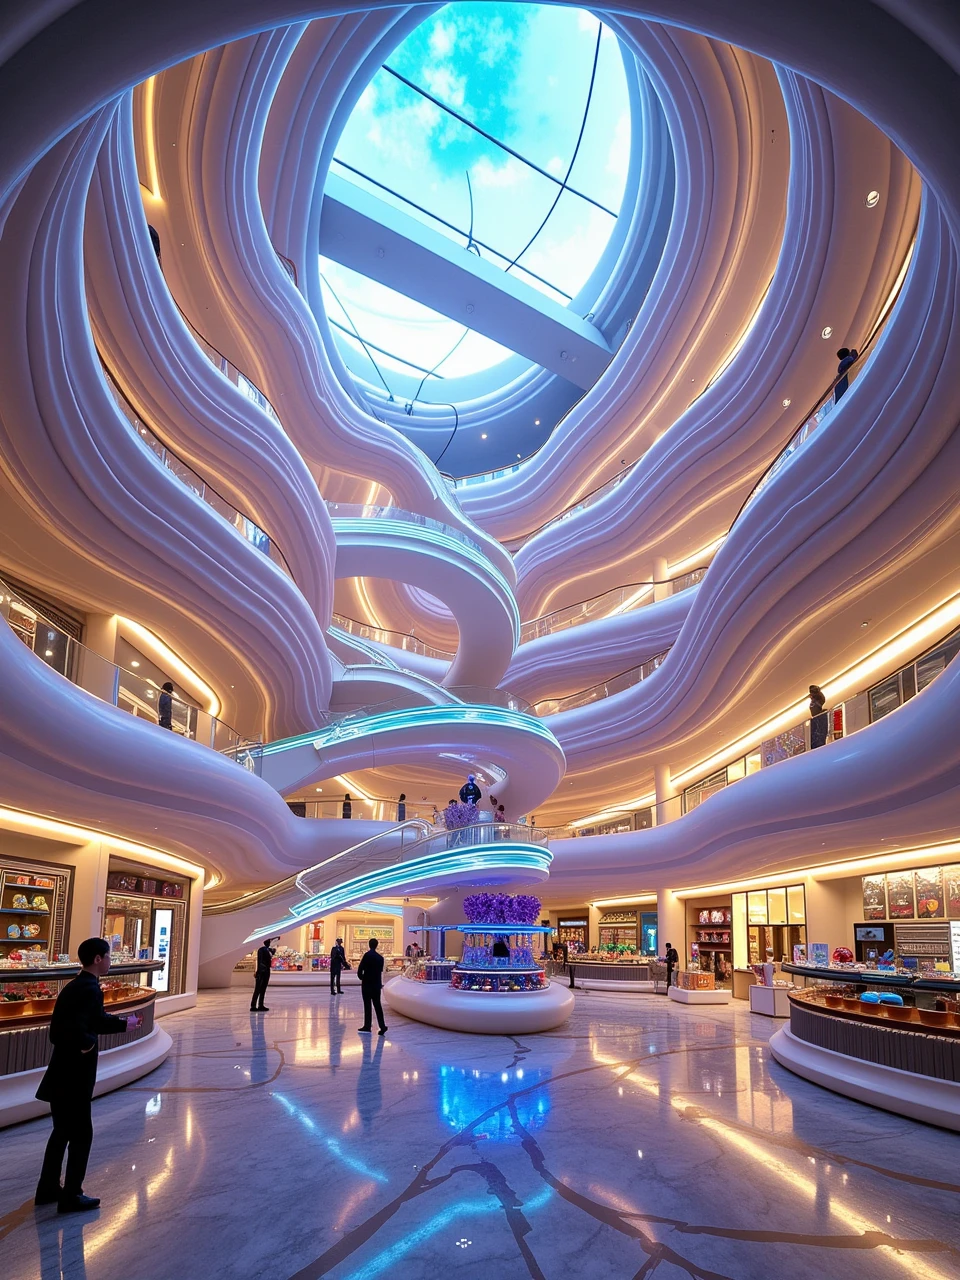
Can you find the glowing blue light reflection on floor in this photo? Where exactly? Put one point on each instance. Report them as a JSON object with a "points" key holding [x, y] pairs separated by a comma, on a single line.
{"points": [[332, 1144], [466, 1093]]}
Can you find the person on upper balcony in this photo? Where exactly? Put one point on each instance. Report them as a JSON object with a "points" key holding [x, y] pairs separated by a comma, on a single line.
{"points": [[818, 717], [847, 357], [165, 705], [470, 792]]}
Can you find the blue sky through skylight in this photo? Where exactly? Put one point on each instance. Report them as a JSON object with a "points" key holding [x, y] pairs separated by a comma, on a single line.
{"points": [[521, 73]]}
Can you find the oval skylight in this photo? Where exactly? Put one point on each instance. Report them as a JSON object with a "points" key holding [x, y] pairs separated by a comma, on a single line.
{"points": [[504, 129]]}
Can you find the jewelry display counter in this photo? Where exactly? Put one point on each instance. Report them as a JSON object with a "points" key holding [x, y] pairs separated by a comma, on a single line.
{"points": [[27, 999]]}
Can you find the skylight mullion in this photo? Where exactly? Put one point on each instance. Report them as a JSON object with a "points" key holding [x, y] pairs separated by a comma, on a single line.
{"points": [[497, 142]]}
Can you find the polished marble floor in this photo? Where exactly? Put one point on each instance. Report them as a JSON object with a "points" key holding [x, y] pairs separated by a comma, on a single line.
{"points": [[642, 1139]]}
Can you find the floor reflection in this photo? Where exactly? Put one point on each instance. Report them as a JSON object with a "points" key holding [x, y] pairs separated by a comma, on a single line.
{"points": [[635, 1140]]}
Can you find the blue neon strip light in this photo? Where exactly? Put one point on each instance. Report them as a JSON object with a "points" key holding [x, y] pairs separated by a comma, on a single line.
{"points": [[412, 717], [508, 856]]}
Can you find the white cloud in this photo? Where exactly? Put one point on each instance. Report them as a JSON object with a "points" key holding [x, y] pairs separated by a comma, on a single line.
{"points": [[444, 84], [510, 174], [618, 157], [442, 39], [555, 166]]}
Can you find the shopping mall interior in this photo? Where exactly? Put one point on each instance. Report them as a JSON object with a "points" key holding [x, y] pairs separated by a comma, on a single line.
{"points": [[479, 496]]}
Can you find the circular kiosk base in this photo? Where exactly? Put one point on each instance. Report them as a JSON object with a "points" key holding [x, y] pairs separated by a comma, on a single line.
{"points": [[491, 1013]]}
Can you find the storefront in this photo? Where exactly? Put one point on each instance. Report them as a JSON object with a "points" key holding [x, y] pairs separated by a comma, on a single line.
{"points": [[573, 930], [145, 917]]}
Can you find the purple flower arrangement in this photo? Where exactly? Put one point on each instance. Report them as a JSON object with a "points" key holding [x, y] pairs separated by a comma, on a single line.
{"points": [[458, 815], [501, 908]]}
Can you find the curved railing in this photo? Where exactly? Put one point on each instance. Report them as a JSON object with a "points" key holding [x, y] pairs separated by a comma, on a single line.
{"points": [[113, 684], [605, 689], [417, 839], [396, 639], [190, 479], [367, 511], [618, 600]]}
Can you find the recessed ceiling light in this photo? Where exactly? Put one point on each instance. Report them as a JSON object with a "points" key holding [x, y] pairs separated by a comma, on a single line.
{"points": [[319, 788], [826, 332], [536, 422], [786, 403], [483, 435], [134, 663], [518, 455], [873, 199], [48, 653]]}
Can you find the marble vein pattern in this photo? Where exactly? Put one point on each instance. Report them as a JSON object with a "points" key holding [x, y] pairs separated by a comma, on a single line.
{"points": [[641, 1139]]}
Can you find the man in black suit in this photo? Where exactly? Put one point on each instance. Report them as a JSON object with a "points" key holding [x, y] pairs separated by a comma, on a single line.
{"points": [[68, 1082], [370, 973], [338, 962], [265, 954], [672, 959]]}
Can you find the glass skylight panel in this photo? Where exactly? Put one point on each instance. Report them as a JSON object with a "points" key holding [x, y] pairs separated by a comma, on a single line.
{"points": [[523, 74]]}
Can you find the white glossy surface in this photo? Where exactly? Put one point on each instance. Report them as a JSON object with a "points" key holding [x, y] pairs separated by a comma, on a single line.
{"points": [[919, 1097], [116, 1067], [639, 1135], [698, 997], [489, 1013]]}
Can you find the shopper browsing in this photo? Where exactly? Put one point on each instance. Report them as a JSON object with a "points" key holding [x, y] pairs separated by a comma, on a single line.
{"points": [[68, 1082], [370, 973]]}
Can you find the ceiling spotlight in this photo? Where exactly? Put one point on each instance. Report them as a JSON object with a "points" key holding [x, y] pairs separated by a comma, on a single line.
{"points": [[872, 200], [134, 662], [319, 788], [48, 653], [826, 331], [518, 455], [483, 435], [863, 625], [536, 422], [786, 403]]}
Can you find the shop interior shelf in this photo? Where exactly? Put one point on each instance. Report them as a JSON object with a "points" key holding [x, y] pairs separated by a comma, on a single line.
{"points": [[19, 941], [22, 911]]}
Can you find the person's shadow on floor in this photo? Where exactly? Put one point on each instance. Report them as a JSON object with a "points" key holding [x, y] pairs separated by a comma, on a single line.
{"points": [[369, 1093]]}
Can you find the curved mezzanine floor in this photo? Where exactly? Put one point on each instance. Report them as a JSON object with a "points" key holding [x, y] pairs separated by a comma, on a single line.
{"points": [[639, 1139]]}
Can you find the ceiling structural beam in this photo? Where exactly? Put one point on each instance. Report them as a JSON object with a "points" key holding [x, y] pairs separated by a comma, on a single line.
{"points": [[363, 232]]}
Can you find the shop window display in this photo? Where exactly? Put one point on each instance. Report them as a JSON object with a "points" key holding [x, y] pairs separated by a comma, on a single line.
{"points": [[145, 916]]}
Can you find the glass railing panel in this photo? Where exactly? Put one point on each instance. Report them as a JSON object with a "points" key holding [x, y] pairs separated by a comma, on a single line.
{"points": [[186, 475], [617, 684], [367, 511]]}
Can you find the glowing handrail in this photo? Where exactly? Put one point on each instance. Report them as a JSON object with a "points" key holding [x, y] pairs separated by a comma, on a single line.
{"points": [[632, 595], [367, 511]]}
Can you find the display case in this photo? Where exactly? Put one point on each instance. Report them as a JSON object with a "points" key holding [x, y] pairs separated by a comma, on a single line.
{"points": [[424, 970], [500, 957], [146, 910], [33, 909], [28, 996]]}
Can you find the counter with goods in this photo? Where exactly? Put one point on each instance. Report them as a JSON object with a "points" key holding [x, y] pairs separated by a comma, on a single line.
{"points": [[498, 986], [28, 994], [889, 1038], [618, 974]]}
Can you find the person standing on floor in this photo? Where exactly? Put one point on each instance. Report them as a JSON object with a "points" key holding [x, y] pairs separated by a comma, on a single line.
{"points": [[673, 959], [819, 720], [338, 962], [265, 954], [68, 1082], [370, 973], [470, 792], [165, 705], [402, 808], [346, 809]]}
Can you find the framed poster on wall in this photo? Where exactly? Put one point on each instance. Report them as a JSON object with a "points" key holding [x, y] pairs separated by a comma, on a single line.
{"points": [[875, 897], [951, 890], [900, 901], [929, 887]]}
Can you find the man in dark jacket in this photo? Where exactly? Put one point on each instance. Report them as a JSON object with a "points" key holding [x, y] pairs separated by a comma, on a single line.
{"points": [[338, 962], [673, 959], [370, 973], [165, 705], [265, 954], [470, 792], [68, 1082]]}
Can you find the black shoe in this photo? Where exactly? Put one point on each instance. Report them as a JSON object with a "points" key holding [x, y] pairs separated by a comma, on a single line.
{"points": [[262, 1009], [43, 1196], [77, 1204], [364, 1030], [382, 1031]]}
